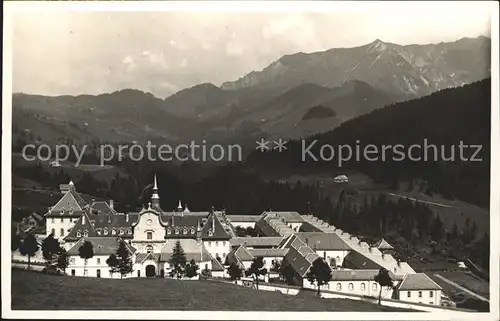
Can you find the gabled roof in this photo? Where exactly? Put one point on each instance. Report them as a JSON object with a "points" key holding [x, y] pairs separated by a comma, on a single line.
{"points": [[256, 241], [417, 281], [141, 257], [323, 241], [213, 224], [243, 218], [356, 260], [263, 226], [101, 245], [70, 205], [81, 227], [216, 266], [308, 227], [268, 252], [243, 254], [289, 217], [383, 245]]}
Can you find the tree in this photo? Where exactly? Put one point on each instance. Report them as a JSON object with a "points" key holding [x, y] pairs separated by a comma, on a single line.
{"points": [[257, 269], [383, 279], [113, 263], [275, 266], [206, 273], [15, 240], [86, 251], [286, 272], [178, 260], [235, 272], [125, 265], [191, 269], [62, 260], [50, 250], [320, 273], [29, 247]]}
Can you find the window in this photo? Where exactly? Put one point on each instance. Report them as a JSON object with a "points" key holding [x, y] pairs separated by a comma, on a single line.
{"points": [[419, 294], [62, 232], [206, 266], [105, 231], [149, 235], [216, 243], [138, 273], [408, 294], [72, 261], [113, 232], [209, 243], [70, 219], [98, 273], [339, 287], [73, 273], [71, 211], [351, 286], [53, 220], [129, 231], [223, 255], [431, 302], [185, 231], [121, 232], [210, 233], [62, 220], [86, 233], [431, 294], [98, 260], [363, 286], [169, 231], [149, 249], [53, 231], [176, 230], [374, 287], [324, 255], [62, 212], [337, 260], [192, 230], [78, 233]]}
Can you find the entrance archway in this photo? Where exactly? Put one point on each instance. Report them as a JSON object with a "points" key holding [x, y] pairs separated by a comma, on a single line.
{"points": [[150, 271]]}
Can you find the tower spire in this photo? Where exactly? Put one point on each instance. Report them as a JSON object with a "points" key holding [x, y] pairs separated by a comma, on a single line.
{"points": [[155, 198]]}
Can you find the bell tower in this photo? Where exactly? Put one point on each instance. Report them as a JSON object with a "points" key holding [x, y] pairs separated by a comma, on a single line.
{"points": [[155, 198]]}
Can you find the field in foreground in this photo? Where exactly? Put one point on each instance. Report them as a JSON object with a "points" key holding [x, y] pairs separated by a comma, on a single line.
{"points": [[36, 291]]}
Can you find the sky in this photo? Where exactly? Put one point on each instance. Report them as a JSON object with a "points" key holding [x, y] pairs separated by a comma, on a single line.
{"points": [[61, 52]]}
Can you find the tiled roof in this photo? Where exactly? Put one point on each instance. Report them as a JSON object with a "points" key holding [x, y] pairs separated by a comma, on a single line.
{"points": [[141, 257], [357, 275], [216, 266], [101, 207], [289, 217], [213, 224], [418, 281], [268, 252], [81, 228], [308, 227], [192, 250], [101, 245], [299, 255], [70, 205], [256, 241], [383, 245], [118, 223], [243, 254], [356, 260], [263, 226], [323, 241], [243, 218], [186, 223]]}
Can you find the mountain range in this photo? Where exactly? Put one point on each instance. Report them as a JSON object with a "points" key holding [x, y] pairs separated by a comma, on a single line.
{"points": [[297, 95]]}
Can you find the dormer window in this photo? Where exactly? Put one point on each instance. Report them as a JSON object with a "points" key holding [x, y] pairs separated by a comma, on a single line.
{"points": [[210, 233], [113, 232], [185, 231], [62, 211], [105, 231], [78, 233], [176, 231], [129, 231], [71, 211], [169, 231], [98, 231], [192, 230], [86, 233], [121, 232]]}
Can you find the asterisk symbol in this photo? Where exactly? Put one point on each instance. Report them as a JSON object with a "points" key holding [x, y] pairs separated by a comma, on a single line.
{"points": [[262, 145], [280, 145]]}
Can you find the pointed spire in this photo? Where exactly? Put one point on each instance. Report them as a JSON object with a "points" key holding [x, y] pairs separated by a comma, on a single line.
{"points": [[186, 209], [179, 207], [155, 198], [155, 186]]}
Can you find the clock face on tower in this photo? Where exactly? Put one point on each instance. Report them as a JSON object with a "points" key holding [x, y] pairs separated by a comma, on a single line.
{"points": [[149, 222]]}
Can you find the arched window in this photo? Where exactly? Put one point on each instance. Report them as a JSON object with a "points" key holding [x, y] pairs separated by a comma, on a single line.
{"points": [[62, 211], [121, 232], [149, 235], [169, 231], [216, 243], [86, 233], [185, 231], [363, 286], [113, 232], [176, 230], [78, 233], [374, 286], [192, 230], [105, 231], [339, 287], [149, 249], [129, 231], [210, 233], [351, 286]]}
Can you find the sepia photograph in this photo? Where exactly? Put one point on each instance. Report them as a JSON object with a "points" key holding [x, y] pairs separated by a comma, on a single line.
{"points": [[250, 160]]}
